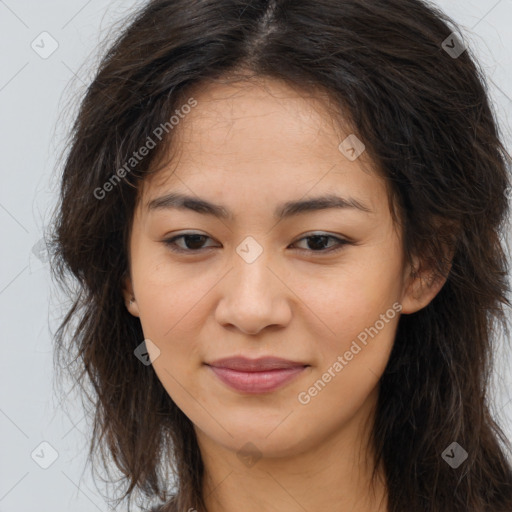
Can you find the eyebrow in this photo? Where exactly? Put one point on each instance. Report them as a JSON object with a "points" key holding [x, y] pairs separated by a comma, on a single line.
{"points": [[288, 209]]}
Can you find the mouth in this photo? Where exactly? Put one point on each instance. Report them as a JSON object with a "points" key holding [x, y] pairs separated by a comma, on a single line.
{"points": [[254, 376]]}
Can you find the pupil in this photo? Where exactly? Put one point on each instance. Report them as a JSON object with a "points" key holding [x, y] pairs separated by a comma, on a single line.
{"points": [[194, 240], [316, 238]]}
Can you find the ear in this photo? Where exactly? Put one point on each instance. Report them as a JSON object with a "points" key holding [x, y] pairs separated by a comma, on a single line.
{"points": [[129, 297], [422, 284]]}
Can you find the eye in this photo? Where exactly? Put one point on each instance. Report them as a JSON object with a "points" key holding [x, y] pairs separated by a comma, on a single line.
{"points": [[194, 243], [317, 243]]}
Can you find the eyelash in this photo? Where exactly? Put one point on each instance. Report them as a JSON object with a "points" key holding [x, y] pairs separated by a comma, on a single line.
{"points": [[170, 243]]}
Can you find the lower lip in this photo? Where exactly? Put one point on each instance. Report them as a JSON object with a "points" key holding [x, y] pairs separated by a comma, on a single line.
{"points": [[257, 382]]}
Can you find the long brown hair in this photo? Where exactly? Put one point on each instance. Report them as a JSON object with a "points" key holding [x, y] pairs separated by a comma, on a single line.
{"points": [[419, 101]]}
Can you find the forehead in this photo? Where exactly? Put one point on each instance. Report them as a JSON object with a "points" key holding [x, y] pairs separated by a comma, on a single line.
{"points": [[261, 135], [245, 114]]}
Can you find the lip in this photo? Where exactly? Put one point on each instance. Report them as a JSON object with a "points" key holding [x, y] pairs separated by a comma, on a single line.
{"points": [[244, 364], [261, 375]]}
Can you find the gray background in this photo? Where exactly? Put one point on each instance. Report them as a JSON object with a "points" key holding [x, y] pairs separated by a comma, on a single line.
{"points": [[36, 105]]}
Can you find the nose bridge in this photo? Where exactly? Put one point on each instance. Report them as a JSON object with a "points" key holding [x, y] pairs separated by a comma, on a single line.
{"points": [[253, 297], [252, 276]]}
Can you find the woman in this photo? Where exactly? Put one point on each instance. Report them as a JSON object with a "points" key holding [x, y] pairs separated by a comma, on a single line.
{"points": [[284, 218]]}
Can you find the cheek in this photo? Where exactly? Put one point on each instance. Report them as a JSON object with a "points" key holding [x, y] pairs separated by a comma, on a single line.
{"points": [[345, 385], [173, 304], [364, 318], [358, 342], [170, 297], [347, 300], [171, 315]]}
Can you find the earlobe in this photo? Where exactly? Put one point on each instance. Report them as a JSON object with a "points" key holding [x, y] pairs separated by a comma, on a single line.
{"points": [[129, 297]]}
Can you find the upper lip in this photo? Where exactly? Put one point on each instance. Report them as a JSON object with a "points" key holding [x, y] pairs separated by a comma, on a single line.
{"points": [[255, 365]]}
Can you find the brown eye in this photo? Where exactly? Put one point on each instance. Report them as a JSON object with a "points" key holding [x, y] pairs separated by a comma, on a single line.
{"points": [[193, 243], [319, 243]]}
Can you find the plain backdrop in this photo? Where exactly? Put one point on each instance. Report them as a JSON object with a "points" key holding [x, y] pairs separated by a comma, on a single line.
{"points": [[35, 91]]}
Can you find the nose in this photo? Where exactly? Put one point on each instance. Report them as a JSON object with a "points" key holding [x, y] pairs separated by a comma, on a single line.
{"points": [[253, 297]]}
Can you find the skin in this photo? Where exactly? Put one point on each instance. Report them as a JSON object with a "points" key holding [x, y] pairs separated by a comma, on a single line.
{"points": [[249, 147]]}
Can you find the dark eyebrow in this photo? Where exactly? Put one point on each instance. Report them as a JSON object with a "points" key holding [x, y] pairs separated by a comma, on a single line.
{"points": [[288, 209]]}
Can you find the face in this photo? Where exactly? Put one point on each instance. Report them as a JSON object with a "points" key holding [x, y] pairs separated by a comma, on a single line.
{"points": [[271, 270]]}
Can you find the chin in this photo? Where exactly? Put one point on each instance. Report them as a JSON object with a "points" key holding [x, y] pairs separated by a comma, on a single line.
{"points": [[272, 439]]}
